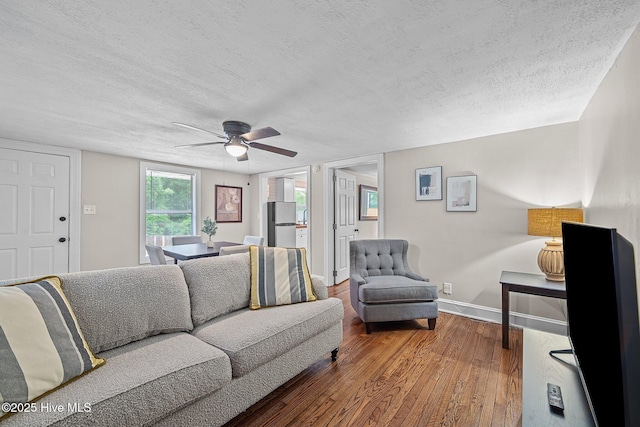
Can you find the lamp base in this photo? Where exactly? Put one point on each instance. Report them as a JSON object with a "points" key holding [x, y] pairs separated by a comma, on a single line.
{"points": [[551, 261]]}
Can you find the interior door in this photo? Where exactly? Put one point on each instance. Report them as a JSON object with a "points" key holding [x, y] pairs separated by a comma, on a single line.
{"points": [[34, 213], [344, 222]]}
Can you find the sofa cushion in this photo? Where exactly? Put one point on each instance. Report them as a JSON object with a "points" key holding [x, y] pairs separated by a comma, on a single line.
{"points": [[279, 276], [389, 289], [41, 345], [217, 285], [253, 337], [122, 305], [141, 383]]}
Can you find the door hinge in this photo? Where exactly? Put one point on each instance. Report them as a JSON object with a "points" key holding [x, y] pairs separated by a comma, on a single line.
{"points": [[335, 226], [335, 273]]}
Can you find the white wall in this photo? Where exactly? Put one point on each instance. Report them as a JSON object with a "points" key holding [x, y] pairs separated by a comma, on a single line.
{"points": [[516, 171], [111, 183], [110, 237], [367, 229], [317, 222], [610, 148]]}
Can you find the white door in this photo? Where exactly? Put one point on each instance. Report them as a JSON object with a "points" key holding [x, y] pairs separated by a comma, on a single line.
{"points": [[344, 222], [34, 214]]}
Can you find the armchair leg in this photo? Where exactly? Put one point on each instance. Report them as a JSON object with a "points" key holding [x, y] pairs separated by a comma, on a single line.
{"points": [[432, 323], [367, 327], [334, 355]]}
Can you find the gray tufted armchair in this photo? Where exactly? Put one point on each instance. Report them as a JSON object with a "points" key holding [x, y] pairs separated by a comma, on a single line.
{"points": [[382, 286]]}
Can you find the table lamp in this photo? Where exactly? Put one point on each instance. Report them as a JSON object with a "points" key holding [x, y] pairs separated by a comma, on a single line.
{"points": [[548, 222]]}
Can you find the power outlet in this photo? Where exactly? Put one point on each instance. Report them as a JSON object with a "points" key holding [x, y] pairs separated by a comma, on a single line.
{"points": [[448, 288]]}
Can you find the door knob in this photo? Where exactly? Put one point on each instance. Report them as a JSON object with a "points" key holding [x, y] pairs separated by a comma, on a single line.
{"points": [[62, 240], [356, 230], [63, 218]]}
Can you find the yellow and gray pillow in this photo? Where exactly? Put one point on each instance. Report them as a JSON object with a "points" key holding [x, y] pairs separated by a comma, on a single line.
{"points": [[279, 276], [41, 345]]}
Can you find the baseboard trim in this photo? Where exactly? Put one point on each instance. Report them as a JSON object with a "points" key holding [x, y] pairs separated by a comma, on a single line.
{"points": [[489, 314]]}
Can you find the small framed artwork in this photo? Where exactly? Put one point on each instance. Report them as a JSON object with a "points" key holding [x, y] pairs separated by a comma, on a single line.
{"points": [[368, 203], [228, 204], [429, 183], [462, 193]]}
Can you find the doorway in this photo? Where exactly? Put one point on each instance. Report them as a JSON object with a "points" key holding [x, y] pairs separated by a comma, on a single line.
{"points": [[40, 201], [302, 196], [369, 169]]}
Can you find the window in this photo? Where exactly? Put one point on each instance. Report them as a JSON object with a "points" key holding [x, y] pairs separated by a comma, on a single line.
{"points": [[169, 198], [301, 205]]}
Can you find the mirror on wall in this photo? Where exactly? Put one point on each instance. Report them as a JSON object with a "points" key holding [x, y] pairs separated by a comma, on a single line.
{"points": [[368, 203]]}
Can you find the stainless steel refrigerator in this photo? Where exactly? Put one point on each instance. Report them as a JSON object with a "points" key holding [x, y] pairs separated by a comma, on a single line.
{"points": [[281, 224]]}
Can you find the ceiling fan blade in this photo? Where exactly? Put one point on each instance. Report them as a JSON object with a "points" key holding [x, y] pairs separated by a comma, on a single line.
{"points": [[184, 125], [260, 133], [244, 157], [273, 149], [200, 144]]}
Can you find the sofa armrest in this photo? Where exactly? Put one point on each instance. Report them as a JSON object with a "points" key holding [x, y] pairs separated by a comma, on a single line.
{"points": [[355, 278], [414, 276], [319, 287]]}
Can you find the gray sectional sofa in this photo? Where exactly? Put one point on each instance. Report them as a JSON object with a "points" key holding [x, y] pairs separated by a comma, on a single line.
{"points": [[181, 345]]}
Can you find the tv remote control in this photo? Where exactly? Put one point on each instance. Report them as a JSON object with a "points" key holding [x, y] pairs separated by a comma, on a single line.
{"points": [[555, 397]]}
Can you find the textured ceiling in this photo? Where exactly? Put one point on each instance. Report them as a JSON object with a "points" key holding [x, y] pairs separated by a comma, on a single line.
{"points": [[338, 79]]}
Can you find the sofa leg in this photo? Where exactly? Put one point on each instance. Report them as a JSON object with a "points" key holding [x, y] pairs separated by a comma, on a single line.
{"points": [[367, 327], [432, 323], [334, 355]]}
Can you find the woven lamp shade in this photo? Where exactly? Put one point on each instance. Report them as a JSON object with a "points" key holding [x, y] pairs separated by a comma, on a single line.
{"points": [[548, 221]]}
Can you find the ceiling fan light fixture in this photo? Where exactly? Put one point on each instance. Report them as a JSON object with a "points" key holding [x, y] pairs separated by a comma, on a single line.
{"points": [[235, 147], [239, 137]]}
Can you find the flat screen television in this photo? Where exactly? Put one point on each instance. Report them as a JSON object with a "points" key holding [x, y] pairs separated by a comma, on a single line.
{"points": [[602, 315]]}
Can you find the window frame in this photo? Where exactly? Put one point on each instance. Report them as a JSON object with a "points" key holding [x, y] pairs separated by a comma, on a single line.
{"points": [[161, 167]]}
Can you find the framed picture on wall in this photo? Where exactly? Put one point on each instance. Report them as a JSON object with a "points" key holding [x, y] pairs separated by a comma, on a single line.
{"points": [[429, 183], [368, 203], [228, 204], [462, 193]]}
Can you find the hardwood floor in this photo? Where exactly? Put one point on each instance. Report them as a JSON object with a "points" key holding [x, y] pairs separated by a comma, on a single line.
{"points": [[403, 375]]}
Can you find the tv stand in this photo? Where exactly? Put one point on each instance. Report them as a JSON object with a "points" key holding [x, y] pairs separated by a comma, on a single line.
{"points": [[553, 353], [540, 368], [563, 351]]}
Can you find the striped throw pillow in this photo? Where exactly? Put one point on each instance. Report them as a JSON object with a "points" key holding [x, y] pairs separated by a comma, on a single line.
{"points": [[41, 345], [279, 276]]}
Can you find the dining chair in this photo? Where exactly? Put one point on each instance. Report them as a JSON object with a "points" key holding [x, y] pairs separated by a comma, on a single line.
{"points": [[253, 240], [156, 255], [185, 240], [237, 249]]}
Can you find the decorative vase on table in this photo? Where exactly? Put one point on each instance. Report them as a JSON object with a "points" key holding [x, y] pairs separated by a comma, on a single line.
{"points": [[210, 227]]}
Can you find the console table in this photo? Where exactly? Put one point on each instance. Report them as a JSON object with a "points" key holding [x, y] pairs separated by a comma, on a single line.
{"points": [[525, 283], [538, 369]]}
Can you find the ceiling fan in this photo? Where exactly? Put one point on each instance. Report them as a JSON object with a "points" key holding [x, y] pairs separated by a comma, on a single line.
{"points": [[238, 138]]}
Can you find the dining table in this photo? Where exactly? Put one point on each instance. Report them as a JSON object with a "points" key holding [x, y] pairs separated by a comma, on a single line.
{"points": [[194, 250]]}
